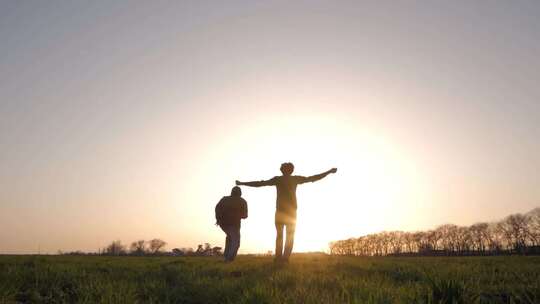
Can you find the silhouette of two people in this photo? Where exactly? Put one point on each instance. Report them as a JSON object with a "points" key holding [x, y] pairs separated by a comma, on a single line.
{"points": [[286, 205]]}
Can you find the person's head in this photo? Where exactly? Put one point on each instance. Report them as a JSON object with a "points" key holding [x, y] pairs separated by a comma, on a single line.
{"points": [[236, 191], [287, 168]]}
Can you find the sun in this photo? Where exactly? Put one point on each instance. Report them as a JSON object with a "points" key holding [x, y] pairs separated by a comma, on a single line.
{"points": [[367, 194], [358, 199]]}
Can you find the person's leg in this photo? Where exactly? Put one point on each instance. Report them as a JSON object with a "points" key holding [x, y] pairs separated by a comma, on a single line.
{"points": [[227, 250], [235, 242], [291, 227], [279, 240]]}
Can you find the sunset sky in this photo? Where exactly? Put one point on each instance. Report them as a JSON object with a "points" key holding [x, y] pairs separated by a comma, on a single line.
{"points": [[131, 119]]}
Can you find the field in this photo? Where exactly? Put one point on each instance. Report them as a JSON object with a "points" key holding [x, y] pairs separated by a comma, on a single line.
{"points": [[251, 279]]}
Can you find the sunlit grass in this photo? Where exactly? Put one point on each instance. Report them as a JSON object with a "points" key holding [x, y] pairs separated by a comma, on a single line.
{"points": [[307, 279]]}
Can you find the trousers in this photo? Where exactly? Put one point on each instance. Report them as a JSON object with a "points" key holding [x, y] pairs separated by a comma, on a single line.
{"points": [[289, 241], [232, 241]]}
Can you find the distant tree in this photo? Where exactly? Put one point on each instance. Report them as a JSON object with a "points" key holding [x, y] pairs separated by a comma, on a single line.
{"points": [[533, 230], [360, 246], [207, 250], [384, 241], [334, 248], [517, 233], [216, 250], [187, 250], [156, 245], [433, 240], [349, 246], [463, 239], [408, 240], [138, 247], [497, 239], [479, 236], [115, 248], [177, 252], [447, 237], [395, 239], [514, 228], [419, 237]]}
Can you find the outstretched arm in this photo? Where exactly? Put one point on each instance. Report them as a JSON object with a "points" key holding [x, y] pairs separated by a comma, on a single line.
{"points": [[270, 182], [317, 177]]}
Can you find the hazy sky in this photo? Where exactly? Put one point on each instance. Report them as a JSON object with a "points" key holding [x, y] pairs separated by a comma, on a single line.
{"points": [[130, 119]]}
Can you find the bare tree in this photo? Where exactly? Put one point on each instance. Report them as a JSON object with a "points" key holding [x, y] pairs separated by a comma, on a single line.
{"points": [[207, 248], [156, 245], [497, 239], [349, 246], [396, 241], [433, 239], [138, 247], [479, 236], [216, 250], [463, 237], [408, 240], [516, 233], [115, 248], [533, 231], [514, 228], [177, 252], [419, 239]]}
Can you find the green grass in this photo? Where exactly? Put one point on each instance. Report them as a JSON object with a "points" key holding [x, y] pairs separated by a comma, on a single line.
{"points": [[307, 279]]}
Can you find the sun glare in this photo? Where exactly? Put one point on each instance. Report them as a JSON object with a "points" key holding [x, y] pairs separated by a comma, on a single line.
{"points": [[368, 191]]}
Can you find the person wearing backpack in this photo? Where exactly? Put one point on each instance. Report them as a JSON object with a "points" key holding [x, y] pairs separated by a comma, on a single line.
{"points": [[229, 212]]}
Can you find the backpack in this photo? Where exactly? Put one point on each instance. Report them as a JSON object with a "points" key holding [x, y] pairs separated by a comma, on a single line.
{"points": [[230, 210], [220, 212]]}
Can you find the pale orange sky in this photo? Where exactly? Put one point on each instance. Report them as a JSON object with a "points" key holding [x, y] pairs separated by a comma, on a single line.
{"points": [[130, 121]]}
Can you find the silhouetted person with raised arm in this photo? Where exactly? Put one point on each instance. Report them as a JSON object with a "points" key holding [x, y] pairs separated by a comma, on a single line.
{"points": [[229, 212], [286, 204]]}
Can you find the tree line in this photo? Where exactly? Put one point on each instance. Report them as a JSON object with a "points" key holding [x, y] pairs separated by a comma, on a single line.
{"points": [[515, 234], [154, 247]]}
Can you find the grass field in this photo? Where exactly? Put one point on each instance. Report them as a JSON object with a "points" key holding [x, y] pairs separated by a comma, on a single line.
{"points": [[250, 279]]}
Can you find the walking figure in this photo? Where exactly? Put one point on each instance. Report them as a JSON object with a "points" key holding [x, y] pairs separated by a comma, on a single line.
{"points": [[229, 212], [286, 204]]}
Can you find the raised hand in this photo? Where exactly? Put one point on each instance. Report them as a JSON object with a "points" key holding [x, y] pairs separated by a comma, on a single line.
{"points": [[333, 170], [238, 183]]}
